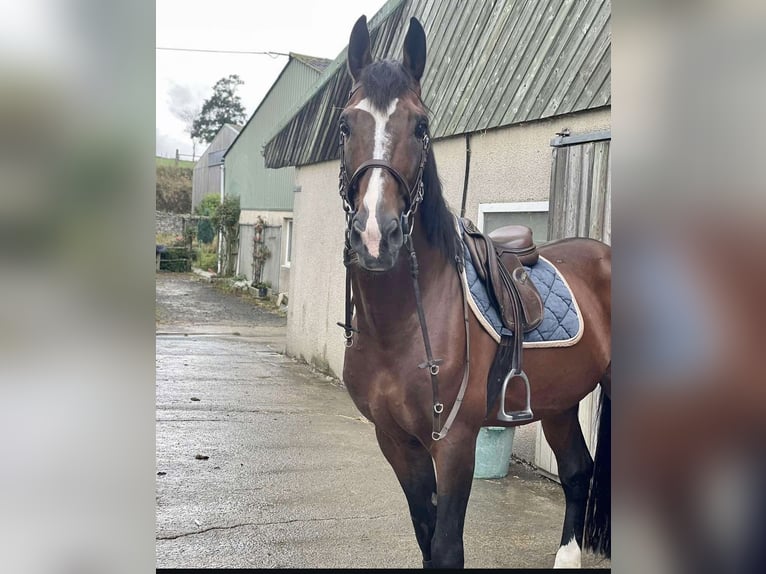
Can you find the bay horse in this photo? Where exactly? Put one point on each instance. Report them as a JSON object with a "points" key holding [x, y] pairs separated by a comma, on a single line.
{"points": [[394, 210]]}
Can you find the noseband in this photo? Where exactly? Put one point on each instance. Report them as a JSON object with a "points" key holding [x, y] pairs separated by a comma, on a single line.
{"points": [[413, 195]]}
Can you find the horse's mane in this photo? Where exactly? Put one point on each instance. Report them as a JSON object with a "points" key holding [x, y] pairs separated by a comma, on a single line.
{"points": [[383, 81], [438, 221]]}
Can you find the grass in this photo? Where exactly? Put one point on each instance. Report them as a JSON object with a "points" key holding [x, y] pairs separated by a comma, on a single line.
{"points": [[171, 162], [207, 261], [165, 238]]}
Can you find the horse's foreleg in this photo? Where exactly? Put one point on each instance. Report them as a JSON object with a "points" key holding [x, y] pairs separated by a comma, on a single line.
{"points": [[454, 459], [575, 465], [414, 469]]}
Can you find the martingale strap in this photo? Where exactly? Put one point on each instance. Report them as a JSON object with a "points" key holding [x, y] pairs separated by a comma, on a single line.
{"points": [[438, 431], [464, 383]]}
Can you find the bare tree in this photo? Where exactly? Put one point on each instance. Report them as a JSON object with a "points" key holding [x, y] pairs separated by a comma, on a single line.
{"points": [[185, 106]]}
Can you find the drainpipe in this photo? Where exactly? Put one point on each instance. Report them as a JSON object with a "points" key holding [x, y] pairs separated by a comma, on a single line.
{"points": [[467, 171], [220, 232]]}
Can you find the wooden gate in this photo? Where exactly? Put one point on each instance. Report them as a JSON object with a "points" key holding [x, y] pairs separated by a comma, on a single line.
{"points": [[580, 206], [272, 238], [245, 260]]}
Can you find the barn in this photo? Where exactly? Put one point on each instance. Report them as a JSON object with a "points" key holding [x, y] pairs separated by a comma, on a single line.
{"points": [[207, 176], [266, 195], [520, 97]]}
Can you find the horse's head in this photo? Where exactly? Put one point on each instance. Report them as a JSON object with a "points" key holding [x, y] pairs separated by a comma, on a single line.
{"points": [[384, 137]]}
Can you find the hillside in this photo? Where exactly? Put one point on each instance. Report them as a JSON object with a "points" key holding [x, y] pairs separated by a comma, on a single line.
{"points": [[174, 185], [171, 162]]}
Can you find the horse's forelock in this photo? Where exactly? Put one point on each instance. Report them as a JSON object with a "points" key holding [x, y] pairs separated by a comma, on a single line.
{"points": [[385, 80]]}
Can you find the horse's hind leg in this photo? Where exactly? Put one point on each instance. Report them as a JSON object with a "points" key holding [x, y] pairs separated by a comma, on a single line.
{"points": [[414, 469], [575, 466]]}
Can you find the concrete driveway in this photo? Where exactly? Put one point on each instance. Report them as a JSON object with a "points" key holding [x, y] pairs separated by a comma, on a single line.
{"points": [[263, 462]]}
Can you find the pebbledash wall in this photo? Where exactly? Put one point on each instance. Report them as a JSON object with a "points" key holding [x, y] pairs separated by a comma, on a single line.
{"points": [[511, 164]]}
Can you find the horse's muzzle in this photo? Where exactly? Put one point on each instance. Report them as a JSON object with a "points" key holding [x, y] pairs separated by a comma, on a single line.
{"points": [[377, 250]]}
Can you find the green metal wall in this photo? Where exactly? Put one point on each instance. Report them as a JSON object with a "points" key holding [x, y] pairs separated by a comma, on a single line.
{"points": [[246, 174]]}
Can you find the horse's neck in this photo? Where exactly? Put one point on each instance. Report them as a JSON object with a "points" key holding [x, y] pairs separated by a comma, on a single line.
{"points": [[385, 302]]}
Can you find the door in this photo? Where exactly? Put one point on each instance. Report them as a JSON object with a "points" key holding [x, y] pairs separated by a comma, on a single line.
{"points": [[272, 238], [580, 206], [245, 254]]}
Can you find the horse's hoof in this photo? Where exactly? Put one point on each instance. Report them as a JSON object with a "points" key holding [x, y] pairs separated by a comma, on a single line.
{"points": [[428, 564]]}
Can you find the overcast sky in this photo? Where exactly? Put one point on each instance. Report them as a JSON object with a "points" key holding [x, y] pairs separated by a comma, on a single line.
{"points": [[185, 79]]}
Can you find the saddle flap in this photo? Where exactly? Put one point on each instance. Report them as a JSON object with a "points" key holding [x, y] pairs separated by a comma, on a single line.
{"points": [[531, 303]]}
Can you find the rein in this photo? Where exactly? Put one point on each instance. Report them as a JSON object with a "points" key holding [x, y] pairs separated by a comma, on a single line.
{"points": [[414, 197]]}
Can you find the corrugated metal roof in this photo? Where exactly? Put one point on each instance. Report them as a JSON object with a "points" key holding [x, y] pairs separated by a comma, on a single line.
{"points": [[489, 64], [319, 64], [215, 158]]}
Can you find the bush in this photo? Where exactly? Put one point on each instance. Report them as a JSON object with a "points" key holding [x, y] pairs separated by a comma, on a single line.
{"points": [[207, 260], [205, 231], [177, 259], [208, 205]]}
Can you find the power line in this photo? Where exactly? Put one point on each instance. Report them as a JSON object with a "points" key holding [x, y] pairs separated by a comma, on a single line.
{"points": [[270, 54]]}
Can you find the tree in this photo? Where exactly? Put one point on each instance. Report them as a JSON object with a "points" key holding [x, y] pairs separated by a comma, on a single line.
{"points": [[223, 107], [184, 105]]}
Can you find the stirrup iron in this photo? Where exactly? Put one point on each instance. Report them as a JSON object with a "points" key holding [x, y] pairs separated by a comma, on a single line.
{"points": [[515, 416]]}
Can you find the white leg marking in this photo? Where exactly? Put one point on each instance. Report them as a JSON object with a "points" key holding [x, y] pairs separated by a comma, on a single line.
{"points": [[568, 556], [371, 235]]}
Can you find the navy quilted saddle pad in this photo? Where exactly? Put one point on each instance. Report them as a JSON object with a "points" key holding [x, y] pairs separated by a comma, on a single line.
{"points": [[561, 325]]}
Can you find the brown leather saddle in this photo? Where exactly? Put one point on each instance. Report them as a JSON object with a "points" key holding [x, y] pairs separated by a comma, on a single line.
{"points": [[499, 259]]}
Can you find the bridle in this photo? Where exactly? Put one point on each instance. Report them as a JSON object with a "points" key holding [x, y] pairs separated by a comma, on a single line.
{"points": [[413, 195], [413, 198]]}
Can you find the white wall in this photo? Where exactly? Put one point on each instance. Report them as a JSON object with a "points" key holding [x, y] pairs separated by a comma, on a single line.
{"points": [[317, 276]]}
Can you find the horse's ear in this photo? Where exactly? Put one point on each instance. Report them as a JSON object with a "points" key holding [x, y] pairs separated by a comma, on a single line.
{"points": [[359, 48], [415, 49]]}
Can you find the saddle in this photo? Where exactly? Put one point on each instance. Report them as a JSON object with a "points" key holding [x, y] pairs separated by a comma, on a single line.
{"points": [[499, 260]]}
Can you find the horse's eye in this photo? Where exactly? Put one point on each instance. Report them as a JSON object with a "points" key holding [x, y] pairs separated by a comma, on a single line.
{"points": [[344, 129], [421, 130]]}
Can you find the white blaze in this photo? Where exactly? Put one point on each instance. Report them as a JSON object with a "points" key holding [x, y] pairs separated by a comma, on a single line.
{"points": [[568, 556], [371, 234]]}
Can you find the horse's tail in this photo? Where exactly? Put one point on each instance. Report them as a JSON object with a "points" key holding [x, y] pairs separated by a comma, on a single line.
{"points": [[598, 516]]}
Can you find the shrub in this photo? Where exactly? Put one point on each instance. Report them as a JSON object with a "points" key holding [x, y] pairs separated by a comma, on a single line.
{"points": [[208, 205], [205, 231], [176, 259], [207, 260]]}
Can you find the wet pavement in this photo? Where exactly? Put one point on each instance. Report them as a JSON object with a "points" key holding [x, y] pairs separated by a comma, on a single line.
{"points": [[263, 462]]}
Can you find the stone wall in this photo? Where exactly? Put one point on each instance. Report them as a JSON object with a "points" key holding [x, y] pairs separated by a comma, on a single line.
{"points": [[168, 223]]}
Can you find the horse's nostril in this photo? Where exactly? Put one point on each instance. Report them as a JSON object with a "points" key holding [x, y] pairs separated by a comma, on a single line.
{"points": [[357, 226], [391, 227]]}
